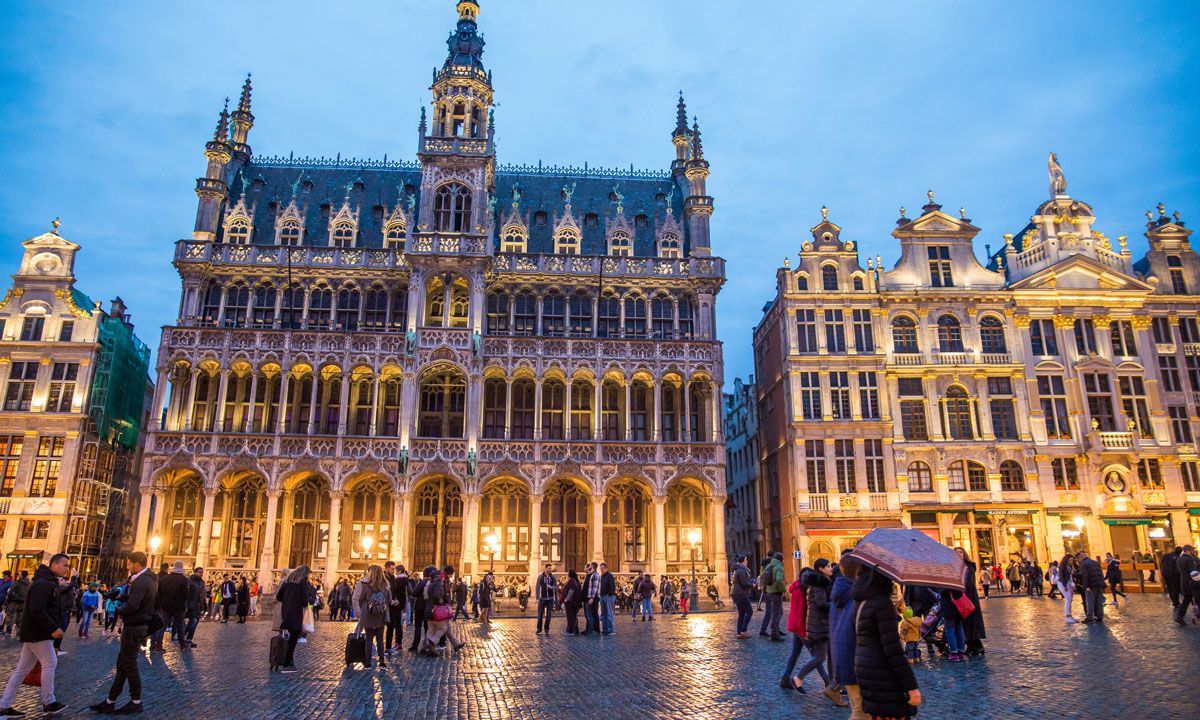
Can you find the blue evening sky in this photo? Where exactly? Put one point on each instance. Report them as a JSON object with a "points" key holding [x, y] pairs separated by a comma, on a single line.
{"points": [[861, 106]]}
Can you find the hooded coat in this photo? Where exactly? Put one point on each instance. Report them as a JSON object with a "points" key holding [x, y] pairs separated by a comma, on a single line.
{"points": [[797, 609], [817, 623], [880, 666], [842, 634]]}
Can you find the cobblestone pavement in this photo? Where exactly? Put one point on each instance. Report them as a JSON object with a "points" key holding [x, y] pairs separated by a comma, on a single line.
{"points": [[1138, 665]]}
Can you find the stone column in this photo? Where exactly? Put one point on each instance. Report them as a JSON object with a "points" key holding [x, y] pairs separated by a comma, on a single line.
{"points": [[535, 535], [217, 423], [156, 406], [397, 542], [568, 414], [249, 424], [204, 542], [334, 549], [284, 401], [266, 564], [470, 558], [344, 403], [189, 409], [143, 522], [314, 405], [375, 405], [717, 538], [537, 408], [658, 564], [405, 554], [598, 528]]}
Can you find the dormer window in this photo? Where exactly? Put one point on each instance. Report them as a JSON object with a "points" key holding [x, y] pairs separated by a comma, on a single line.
{"points": [[513, 241], [1178, 283], [393, 236], [620, 244], [668, 246], [566, 243], [452, 208], [939, 266], [239, 233], [342, 235], [829, 278], [289, 233]]}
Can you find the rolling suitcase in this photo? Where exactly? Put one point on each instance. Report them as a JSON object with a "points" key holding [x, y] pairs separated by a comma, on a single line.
{"points": [[356, 649], [279, 644]]}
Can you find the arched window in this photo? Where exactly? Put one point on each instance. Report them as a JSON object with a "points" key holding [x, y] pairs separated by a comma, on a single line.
{"points": [[670, 410], [329, 400], [958, 414], [687, 317], [362, 400], [858, 282], [619, 244], [289, 233], [581, 410], [452, 208], [504, 512], [237, 305], [565, 524], [612, 426], [497, 313], [435, 302], [626, 524], [801, 282], [1012, 477], [375, 309], [291, 307], [829, 278], [669, 246], [554, 398], [581, 315], [187, 502], [609, 313], [639, 412], [635, 316], [991, 336], [554, 314], [443, 403], [348, 302], [920, 478], [662, 317], [513, 241], [370, 516], [320, 308], [966, 475], [238, 233], [904, 335], [389, 396], [210, 307], [525, 313], [460, 303], [439, 518], [495, 402], [566, 242], [687, 510], [263, 314], [342, 235], [949, 334], [247, 510], [394, 236], [309, 522], [523, 409]]}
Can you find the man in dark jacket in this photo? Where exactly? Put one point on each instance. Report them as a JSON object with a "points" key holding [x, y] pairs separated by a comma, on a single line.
{"points": [[228, 597], [1187, 563], [394, 636], [141, 597], [417, 593], [1091, 579], [460, 599], [608, 599], [1169, 564], [67, 592], [172, 602], [197, 594], [40, 627], [546, 590], [16, 603]]}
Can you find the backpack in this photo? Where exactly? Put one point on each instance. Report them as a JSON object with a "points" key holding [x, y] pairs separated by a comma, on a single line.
{"points": [[377, 604], [767, 577]]}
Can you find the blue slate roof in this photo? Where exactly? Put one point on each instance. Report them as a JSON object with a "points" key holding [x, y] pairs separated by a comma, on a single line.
{"points": [[377, 187]]}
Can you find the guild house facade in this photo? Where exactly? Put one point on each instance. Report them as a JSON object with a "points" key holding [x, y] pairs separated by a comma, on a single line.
{"points": [[448, 360], [1042, 403]]}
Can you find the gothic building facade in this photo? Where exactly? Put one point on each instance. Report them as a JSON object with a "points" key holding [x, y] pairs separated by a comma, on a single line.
{"points": [[1044, 402], [75, 386], [442, 361]]}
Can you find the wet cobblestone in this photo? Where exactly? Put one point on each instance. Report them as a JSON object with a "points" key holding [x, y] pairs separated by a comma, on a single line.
{"points": [[1138, 665]]}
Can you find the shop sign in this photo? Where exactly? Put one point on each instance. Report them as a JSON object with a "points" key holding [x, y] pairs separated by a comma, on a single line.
{"points": [[1126, 521]]}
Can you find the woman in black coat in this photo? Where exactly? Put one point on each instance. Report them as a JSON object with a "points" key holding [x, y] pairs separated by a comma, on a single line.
{"points": [[973, 629], [885, 679], [294, 594], [243, 600], [572, 600]]}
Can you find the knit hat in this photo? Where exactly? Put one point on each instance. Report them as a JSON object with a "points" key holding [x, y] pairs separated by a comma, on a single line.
{"points": [[908, 613], [178, 567], [1195, 576]]}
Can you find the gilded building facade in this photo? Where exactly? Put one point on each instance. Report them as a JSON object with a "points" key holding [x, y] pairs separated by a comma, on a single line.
{"points": [[1044, 402], [448, 360], [75, 387]]}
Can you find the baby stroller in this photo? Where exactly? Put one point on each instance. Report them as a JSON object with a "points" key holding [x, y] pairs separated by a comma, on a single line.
{"points": [[931, 631]]}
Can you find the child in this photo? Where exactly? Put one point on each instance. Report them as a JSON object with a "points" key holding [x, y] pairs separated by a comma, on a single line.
{"points": [[910, 634], [89, 601]]}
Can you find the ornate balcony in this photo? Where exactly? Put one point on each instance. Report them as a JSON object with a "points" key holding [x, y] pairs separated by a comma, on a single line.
{"points": [[611, 266], [283, 259]]}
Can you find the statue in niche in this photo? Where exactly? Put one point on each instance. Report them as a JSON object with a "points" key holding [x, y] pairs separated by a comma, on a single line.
{"points": [[410, 341], [404, 460]]}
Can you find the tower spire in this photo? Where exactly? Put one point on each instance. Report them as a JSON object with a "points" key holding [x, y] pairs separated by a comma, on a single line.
{"points": [[697, 146], [681, 125], [243, 120], [681, 137], [221, 134]]}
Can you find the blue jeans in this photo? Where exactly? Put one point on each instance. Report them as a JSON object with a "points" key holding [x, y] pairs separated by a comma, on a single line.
{"points": [[545, 609], [797, 648], [606, 612], [85, 622], [954, 635], [819, 651], [647, 607], [745, 610]]}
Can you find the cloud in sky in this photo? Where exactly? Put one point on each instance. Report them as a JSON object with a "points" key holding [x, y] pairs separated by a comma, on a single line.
{"points": [[859, 106]]}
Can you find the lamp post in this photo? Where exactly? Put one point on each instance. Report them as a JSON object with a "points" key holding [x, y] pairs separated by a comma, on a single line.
{"points": [[367, 542], [491, 543], [694, 594], [155, 543]]}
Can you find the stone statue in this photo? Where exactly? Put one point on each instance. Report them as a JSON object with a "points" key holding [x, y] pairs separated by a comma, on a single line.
{"points": [[492, 204], [516, 197], [404, 460], [1058, 181], [619, 196], [477, 344], [412, 205], [471, 463], [296, 185], [411, 341], [569, 192]]}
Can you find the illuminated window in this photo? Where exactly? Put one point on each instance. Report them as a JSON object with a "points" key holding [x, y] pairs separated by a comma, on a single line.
{"points": [[452, 208], [904, 335], [566, 242], [920, 478], [619, 244], [45, 470], [394, 235]]}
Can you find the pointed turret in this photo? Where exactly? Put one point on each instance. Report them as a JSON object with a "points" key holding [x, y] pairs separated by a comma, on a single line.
{"points": [[211, 188], [698, 206], [681, 137], [243, 120]]}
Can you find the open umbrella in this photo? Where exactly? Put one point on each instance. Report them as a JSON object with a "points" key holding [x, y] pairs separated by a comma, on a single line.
{"points": [[911, 557]]}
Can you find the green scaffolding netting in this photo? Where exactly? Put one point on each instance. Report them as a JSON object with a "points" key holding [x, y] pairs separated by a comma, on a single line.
{"points": [[119, 383]]}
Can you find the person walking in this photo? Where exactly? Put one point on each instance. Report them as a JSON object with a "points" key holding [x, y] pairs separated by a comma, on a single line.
{"points": [[885, 678], [1091, 579], [608, 599], [684, 590], [1115, 578], [294, 594], [372, 603], [437, 593], [172, 604], [647, 590], [197, 592], [6, 583], [974, 632], [228, 597], [1168, 567], [1014, 577], [416, 592], [773, 586], [398, 582], [16, 603], [1066, 586], [797, 615], [89, 602], [842, 634], [487, 589], [740, 585], [546, 591], [1052, 576], [136, 614], [460, 599], [40, 626], [985, 579], [571, 599], [1187, 564], [818, 582]]}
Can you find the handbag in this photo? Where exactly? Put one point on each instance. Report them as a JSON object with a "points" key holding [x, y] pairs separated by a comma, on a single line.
{"points": [[964, 605], [442, 612], [34, 676], [307, 623]]}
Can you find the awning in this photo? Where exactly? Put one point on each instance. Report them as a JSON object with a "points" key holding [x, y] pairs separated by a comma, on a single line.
{"points": [[1193, 511]]}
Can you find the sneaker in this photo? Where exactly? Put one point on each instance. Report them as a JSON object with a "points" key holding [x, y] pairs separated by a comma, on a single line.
{"points": [[288, 669], [104, 708], [785, 682], [129, 708], [53, 708], [1071, 620], [11, 712], [61, 653]]}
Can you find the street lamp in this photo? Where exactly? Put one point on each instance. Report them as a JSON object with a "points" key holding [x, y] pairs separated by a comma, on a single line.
{"points": [[492, 545], [155, 542], [694, 599], [367, 542]]}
